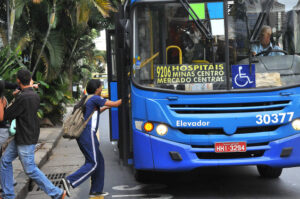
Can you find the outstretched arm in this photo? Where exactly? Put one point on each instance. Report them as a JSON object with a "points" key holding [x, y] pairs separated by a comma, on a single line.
{"points": [[113, 103], [3, 103]]}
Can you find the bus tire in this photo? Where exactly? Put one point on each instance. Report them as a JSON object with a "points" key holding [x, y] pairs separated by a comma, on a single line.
{"points": [[269, 172]]}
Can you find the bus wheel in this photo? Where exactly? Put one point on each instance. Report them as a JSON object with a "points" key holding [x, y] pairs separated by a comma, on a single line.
{"points": [[269, 172], [142, 175]]}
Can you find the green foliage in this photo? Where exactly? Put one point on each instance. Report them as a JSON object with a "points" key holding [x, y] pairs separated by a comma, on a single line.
{"points": [[55, 48], [39, 79], [54, 97], [10, 62], [68, 56]]}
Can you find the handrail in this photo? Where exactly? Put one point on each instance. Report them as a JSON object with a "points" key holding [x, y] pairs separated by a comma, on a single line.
{"points": [[156, 54], [148, 60], [179, 50]]}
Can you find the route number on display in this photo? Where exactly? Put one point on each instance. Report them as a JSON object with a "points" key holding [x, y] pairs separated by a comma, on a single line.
{"points": [[274, 118]]}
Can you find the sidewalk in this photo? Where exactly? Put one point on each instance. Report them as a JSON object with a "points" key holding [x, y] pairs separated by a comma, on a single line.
{"points": [[48, 140]]}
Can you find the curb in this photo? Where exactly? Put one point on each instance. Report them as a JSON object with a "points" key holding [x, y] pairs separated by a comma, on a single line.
{"points": [[41, 157]]}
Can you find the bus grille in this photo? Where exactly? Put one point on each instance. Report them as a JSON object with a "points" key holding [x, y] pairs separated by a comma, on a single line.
{"points": [[220, 131], [235, 155], [229, 108]]}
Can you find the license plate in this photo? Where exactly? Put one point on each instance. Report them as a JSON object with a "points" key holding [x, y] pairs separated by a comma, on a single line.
{"points": [[226, 147]]}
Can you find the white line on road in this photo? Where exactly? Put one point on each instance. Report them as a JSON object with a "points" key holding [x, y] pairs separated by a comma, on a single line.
{"points": [[145, 196], [139, 187]]}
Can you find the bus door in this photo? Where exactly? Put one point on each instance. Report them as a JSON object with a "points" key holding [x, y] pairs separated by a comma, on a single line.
{"points": [[118, 72], [112, 84]]}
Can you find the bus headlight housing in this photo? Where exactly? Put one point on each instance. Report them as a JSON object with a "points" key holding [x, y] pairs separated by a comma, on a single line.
{"points": [[296, 124], [161, 129], [138, 125]]}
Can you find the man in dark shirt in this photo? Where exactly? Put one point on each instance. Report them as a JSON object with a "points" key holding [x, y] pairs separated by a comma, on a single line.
{"points": [[24, 110]]}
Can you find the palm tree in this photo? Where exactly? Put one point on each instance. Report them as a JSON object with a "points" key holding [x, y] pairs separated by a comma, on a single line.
{"points": [[104, 6], [84, 13], [51, 22], [56, 38], [79, 13]]}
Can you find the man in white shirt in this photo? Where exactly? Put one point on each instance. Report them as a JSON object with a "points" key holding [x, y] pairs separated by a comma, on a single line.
{"points": [[265, 43]]}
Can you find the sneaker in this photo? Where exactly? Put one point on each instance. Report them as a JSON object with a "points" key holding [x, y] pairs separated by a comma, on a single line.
{"points": [[67, 186], [99, 194], [96, 197], [63, 195]]}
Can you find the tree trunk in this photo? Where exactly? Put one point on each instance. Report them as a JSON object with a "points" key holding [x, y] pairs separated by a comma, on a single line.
{"points": [[12, 20], [8, 21], [30, 56], [46, 37], [70, 74], [70, 68]]}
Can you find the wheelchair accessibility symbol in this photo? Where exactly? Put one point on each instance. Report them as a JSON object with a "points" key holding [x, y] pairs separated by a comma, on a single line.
{"points": [[242, 77]]}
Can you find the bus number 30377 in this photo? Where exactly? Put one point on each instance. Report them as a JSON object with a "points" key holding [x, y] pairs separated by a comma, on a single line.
{"points": [[274, 118]]}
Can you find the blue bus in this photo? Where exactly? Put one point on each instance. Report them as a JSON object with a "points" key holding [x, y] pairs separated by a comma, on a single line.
{"points": [[211, 83]]}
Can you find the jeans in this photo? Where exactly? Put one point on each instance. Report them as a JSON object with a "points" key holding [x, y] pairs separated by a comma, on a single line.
{"points": [[4, 134], [26, 156]]}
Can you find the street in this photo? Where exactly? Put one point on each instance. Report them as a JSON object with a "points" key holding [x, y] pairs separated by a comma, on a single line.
{"points": [[218, 182]]}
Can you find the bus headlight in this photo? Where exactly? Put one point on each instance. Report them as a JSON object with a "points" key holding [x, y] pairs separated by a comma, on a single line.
{"points": [[161, 129], [296, 124]]}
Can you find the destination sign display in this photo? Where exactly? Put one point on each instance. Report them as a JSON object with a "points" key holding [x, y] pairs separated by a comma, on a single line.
{"points": [[193, 73]]}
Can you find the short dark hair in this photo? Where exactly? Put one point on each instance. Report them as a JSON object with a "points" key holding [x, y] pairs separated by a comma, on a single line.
{"points": [[92, 86], [24, 76]]}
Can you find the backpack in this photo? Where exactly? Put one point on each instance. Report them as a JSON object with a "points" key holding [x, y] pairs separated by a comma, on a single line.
{"points": [[74, 125]]}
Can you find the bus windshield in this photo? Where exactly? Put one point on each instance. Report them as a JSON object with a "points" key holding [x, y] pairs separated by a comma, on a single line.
{"points": [[171, 52]]}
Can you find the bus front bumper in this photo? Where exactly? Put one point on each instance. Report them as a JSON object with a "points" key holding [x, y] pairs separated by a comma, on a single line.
{"points": [[153, 153]]}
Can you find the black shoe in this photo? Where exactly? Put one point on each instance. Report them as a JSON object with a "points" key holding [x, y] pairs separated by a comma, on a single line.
{"points": [[67, 186], [99, 194]]}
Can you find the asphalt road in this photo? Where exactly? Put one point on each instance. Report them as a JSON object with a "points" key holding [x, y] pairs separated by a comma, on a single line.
{"points": [[219, 182]]}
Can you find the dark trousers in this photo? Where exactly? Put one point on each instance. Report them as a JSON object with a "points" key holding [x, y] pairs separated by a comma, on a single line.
{"points": [[94, 162]]}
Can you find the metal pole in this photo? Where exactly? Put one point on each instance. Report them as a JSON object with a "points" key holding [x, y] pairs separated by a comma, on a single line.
{"points": [[228, 70]]}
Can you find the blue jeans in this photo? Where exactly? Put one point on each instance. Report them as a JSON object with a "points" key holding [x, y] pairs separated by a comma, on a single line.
{"points": [[4, 134], [26, 155]]}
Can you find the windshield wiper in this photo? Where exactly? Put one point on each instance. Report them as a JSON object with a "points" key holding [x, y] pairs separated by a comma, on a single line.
{"points": [[260, 20], [203, 29], [196, 19], [259, 23]]}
